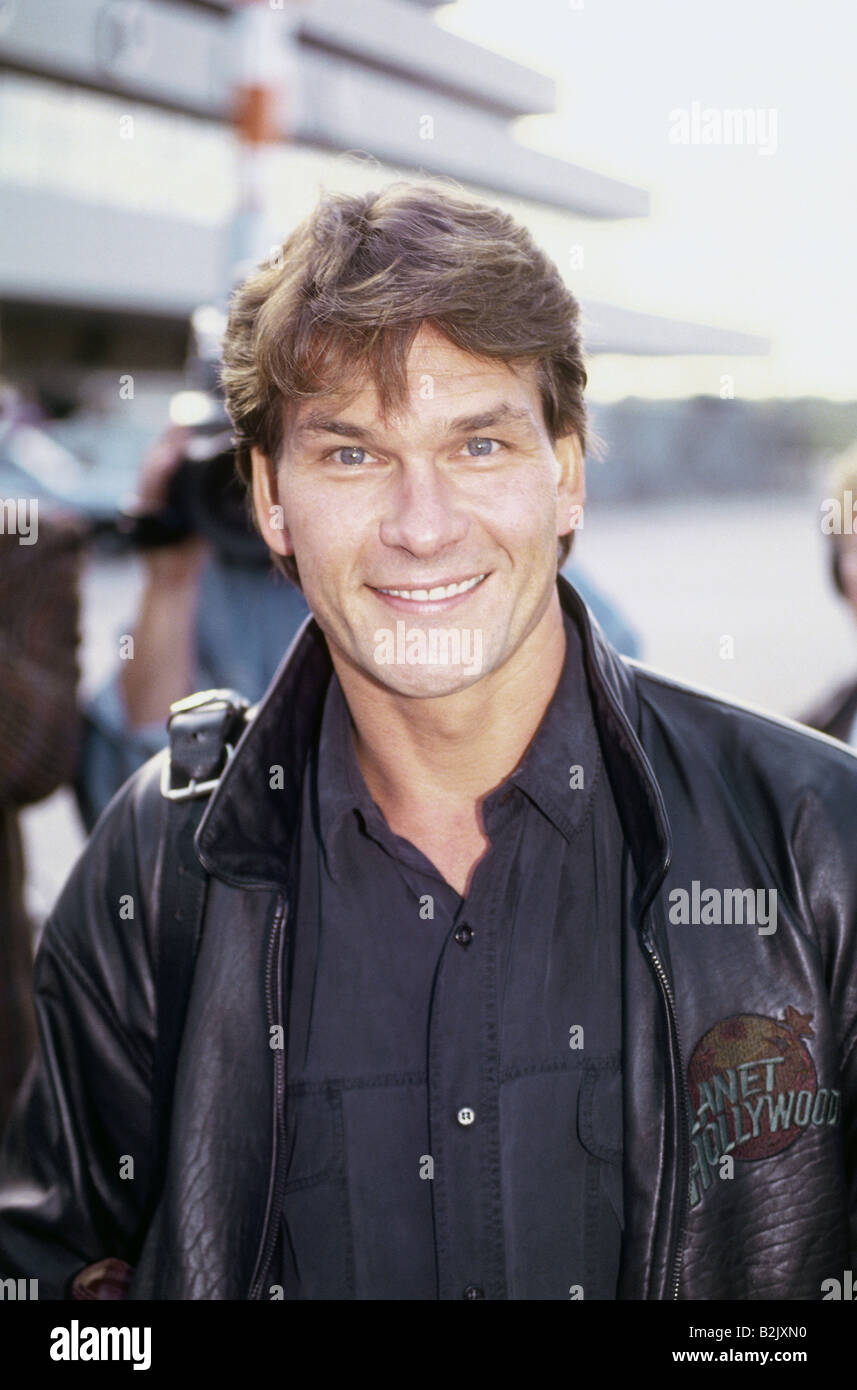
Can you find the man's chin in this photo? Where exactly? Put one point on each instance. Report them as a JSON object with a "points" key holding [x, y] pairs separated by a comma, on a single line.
{"points": [[425, 660], [426, 683]]}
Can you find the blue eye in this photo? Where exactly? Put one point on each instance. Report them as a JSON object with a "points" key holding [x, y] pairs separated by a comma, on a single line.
{"points": [[350, 449], [479, 450]]}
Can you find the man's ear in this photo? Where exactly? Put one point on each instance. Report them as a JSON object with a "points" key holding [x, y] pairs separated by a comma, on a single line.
{"points": [[266, 503], [571, 484]]}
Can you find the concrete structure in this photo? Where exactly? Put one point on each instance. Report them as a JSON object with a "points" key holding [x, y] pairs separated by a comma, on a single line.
{"points": [[83, 232]]}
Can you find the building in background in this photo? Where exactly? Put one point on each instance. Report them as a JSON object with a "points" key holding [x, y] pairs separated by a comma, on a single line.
{"points": [[130, 195]]}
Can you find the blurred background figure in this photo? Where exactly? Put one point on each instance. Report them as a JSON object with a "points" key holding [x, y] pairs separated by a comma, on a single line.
{"points": [[212, 610], [836, 713], [39, 611]]}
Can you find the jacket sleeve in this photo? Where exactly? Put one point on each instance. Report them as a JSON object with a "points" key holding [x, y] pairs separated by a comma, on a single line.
{"points": [[75, 1162], [824, 836], [849, 1124]]}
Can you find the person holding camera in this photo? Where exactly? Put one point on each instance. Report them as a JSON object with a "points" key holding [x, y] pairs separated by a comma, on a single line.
{"points": [[210, 615]]}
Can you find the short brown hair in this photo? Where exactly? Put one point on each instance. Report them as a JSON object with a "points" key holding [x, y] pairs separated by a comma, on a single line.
{"points": [[349, 289]]}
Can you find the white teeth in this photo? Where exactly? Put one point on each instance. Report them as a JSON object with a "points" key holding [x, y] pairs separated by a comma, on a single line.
{"points": [[432, 595]]}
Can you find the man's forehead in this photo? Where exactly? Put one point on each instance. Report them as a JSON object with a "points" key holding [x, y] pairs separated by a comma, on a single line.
{"points": [[429, 346], [438, 388]]}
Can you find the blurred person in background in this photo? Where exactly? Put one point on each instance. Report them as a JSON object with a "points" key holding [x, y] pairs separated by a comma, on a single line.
{"points": [[836, 713], [205, 620], [39, 615]]}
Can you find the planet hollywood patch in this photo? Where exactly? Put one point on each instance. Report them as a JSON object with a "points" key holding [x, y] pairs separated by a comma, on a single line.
{"points": [[754, 1091]]}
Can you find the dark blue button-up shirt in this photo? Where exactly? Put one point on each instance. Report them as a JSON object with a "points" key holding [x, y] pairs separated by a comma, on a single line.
{"points": [[454, 1104]]}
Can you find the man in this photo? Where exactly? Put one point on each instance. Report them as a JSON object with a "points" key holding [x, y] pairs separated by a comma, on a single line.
{"points": [[525, 972]]}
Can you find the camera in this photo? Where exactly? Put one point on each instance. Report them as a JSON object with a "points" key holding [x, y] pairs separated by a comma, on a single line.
{"points": [[205, 496]]}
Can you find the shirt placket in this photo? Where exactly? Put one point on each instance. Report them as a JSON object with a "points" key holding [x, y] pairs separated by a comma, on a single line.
{"points": [[463, 1096]]}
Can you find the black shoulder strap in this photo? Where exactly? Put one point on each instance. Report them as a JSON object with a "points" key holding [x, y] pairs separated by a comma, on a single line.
{"points": [[203, 731]]}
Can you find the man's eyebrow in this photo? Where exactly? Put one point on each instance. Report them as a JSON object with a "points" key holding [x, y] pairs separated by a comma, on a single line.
{"points": [[323, 424], [502, 414]]}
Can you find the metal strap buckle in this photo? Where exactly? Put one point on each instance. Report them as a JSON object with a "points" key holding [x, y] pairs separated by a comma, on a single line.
{"points": [[204, 699], [193, 788]]}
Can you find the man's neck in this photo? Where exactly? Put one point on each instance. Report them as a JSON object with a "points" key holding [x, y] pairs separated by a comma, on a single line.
{"points": [[439, 757]]}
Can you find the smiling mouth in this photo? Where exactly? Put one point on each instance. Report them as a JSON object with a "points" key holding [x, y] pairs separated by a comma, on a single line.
{"points": [[439, 592]]}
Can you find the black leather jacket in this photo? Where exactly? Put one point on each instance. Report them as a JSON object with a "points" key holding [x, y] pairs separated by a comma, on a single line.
{"points": [[739, 1042]]}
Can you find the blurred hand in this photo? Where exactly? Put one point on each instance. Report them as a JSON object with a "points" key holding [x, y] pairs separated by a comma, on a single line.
{"points": [[158, 466], [169, 566]]}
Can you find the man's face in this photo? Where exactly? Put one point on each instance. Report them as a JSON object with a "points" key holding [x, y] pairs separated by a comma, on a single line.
{"points": [[426, 543]]}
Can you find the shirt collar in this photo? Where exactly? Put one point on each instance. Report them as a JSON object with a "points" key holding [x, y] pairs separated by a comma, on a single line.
{"points": [[557, 772], [338, 781], [560, 768]]}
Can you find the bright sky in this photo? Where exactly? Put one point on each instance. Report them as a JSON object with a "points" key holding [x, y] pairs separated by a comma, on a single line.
{"points": [[737, 238]]}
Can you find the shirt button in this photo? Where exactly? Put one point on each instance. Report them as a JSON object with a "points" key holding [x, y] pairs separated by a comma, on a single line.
{"points": [[464, 935], [466, 1116], [473, 1291]]}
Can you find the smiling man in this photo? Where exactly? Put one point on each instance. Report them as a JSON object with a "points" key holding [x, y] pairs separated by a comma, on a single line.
{"points": [[438, 527], [378, 991]]}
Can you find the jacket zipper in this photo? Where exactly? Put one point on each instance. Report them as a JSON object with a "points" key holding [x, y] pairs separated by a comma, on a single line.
{"points": [[275, 1178], [669, 999]]}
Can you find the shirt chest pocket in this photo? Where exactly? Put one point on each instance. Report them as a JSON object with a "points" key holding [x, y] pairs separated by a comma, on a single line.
{"points": [[316, 1240], [313, 1146], [600, 1128]]}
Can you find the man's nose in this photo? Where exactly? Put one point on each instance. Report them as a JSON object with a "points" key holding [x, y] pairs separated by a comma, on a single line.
{"points": [[422, 512]]}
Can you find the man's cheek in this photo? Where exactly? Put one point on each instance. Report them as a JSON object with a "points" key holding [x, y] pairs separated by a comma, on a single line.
{"points": [[523, 530], [524, 507]]}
